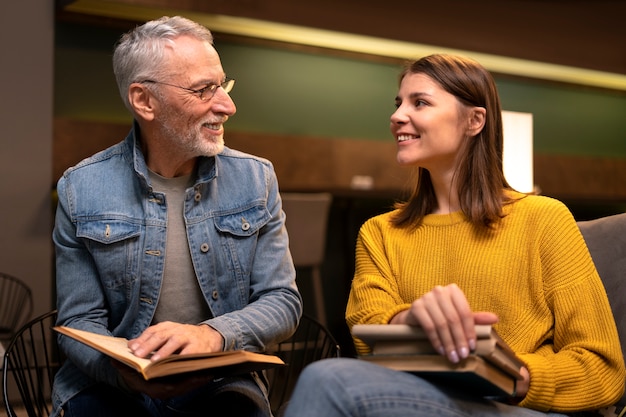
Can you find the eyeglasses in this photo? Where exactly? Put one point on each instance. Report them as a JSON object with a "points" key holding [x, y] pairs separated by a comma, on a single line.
{"points": [[205, 93]]}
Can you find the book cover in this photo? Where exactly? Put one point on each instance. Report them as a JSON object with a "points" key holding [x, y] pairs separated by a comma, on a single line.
{"points": [[492, 369], [473, 374], [401, 339], [370, 333], [223, 363]]}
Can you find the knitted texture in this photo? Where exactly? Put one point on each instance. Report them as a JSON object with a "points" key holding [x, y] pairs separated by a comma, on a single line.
{"points": [[533, 270]]}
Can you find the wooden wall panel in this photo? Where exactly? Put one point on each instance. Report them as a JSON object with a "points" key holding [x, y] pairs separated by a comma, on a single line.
{"points": [[580, 177], [300, 163], [74, 140], [324, 164]]}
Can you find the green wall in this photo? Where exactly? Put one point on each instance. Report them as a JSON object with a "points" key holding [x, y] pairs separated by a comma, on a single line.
{"points": [[569, 119], [289, 92]]}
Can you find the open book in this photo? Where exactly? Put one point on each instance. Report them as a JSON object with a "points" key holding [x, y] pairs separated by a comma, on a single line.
{"points": [[222, 363], [491, 369]]}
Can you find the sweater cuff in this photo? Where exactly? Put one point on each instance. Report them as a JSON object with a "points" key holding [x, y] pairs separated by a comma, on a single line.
{"points": [[386, 318], [542, 388]]}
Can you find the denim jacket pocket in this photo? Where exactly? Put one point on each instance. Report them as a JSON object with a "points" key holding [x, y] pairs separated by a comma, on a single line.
{"points": [[243, 223], [239, 237], [107, 231], [113, 242]]}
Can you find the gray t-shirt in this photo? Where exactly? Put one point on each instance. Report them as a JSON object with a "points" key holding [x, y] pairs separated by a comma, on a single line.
{"points": [[180, 300]]}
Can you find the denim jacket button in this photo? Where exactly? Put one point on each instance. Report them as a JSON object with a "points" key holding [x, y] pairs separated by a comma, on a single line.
{"points": [[204, 247], [245, 226], [197, 197], [214, 295]]}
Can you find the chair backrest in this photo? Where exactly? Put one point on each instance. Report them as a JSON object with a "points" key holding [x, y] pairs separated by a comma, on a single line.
{"points": [[16, 305], [307, 218], [32, 358], [606, 239], [311, 342]]}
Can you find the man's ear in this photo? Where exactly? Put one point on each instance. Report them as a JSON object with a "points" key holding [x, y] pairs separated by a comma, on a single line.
{"points": [[476, 120], [141, 101]]}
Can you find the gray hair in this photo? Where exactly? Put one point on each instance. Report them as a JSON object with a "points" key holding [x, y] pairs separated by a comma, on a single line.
{"points": [[139, 53]]}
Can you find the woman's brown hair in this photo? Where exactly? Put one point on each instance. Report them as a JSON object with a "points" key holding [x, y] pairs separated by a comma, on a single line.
{"points": [[479, 174]]}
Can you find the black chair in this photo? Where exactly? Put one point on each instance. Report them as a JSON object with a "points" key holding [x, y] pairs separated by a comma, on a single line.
{"points": [[311, 342], [16, 306], [32, 358]]}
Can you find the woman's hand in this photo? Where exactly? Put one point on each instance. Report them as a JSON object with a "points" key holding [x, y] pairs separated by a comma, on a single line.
{"points": [[447, 319], [521, 387]]}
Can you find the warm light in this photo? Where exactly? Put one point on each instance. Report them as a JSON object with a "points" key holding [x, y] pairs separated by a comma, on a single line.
{"points": [[349, 42], [518, 150]]}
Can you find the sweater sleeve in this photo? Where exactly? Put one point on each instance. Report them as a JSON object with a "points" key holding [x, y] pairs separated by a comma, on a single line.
{"points": [[374, 296], [582, 367]]}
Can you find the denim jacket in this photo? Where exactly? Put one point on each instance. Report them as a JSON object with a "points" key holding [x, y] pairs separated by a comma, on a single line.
{"points": [[109, 238]]}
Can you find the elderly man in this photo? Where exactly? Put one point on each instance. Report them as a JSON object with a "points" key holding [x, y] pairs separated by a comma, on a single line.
{"points": [[171, 240]]}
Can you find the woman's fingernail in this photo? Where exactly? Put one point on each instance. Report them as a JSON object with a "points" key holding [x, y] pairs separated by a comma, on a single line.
{"points": [[464, 352]]}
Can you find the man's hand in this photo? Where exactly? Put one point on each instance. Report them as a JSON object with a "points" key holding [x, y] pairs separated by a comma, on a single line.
{"points": [[163, 339]]}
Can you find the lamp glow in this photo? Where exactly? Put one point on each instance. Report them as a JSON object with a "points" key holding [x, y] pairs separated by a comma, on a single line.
{"points": [[517, 158]]}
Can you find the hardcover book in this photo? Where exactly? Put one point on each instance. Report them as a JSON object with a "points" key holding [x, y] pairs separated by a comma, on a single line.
{"points": [[492, 369], [222, 363]]}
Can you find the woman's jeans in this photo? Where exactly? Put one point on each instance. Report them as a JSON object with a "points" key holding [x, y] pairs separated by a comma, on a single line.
{"points": [[346, 387]]}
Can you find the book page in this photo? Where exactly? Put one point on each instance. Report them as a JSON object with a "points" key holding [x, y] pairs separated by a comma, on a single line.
{"points": [[371, 333], [116, 347]]}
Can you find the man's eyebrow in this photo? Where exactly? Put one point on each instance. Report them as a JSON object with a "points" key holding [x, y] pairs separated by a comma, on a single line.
{"points": [[212, 81]]}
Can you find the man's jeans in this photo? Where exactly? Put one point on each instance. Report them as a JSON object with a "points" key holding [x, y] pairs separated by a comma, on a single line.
{"points": [[232, 397]]}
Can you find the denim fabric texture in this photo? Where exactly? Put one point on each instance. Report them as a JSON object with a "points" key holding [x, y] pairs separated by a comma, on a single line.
{"points": [[109, 239], [226, 397], [357, 388]]}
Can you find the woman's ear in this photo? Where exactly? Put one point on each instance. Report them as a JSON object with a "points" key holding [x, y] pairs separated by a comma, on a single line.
{"points": [[141, 101], [476, 120]]}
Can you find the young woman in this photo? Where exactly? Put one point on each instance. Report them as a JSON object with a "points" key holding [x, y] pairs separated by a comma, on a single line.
{"points": [[467, 249]]}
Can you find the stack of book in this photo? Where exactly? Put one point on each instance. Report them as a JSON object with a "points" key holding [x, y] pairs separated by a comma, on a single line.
{"points": [[490, 370]]}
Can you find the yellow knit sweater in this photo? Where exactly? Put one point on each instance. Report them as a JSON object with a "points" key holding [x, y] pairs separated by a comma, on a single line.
{"points": [[534, 271]]}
